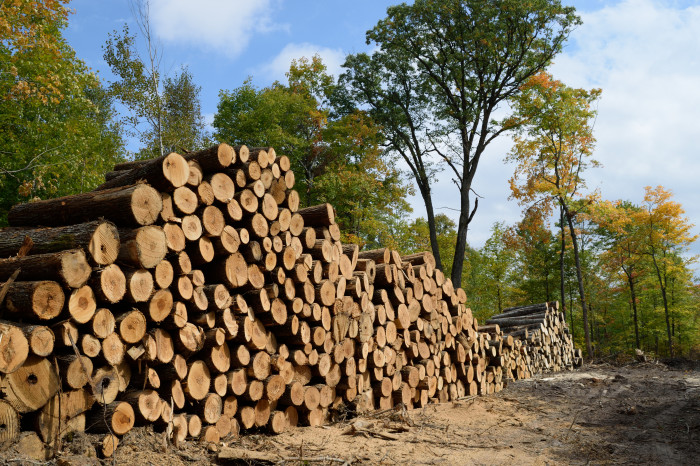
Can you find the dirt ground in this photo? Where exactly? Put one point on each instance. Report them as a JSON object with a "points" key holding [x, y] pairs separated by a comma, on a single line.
{"points": [[644, 413]]}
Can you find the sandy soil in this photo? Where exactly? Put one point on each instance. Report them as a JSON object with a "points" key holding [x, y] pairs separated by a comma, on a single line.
{"points": [[635, 414]]}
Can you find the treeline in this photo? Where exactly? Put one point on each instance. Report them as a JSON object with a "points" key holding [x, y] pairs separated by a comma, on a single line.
{"points": [[638, 275], [419, 107]]}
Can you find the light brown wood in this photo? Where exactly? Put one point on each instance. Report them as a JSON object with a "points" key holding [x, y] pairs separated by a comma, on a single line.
{"points": [[143, 247], [30, 386]]}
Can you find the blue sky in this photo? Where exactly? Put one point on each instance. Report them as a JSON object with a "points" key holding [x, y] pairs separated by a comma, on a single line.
{"points": [[644, 54]]}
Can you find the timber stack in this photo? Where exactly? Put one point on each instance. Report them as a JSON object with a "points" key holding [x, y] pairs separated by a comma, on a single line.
{"points": [[538, 340], [194, 293]]}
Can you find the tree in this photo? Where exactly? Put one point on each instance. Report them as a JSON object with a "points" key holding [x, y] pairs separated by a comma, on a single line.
{"points": [[667, 236], [499, 262], [336, 157], [552, 148], [535, 250], [441, 71], [164, 112], [183, 123], [623, 241], [414, 237], [57, 132]]}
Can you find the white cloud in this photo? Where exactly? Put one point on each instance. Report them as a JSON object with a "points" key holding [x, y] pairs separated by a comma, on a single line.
{"points": [[225, 25], [645, 55], [278, 66]]}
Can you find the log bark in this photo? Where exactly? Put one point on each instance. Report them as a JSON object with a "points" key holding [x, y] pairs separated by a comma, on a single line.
{"points": [[99, 238], [163, 173], [42, 300], [70, 267], [135, 205]]}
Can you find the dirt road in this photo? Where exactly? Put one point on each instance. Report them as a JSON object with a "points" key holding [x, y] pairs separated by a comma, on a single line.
{"points": [[639, 414], [600, 414]]}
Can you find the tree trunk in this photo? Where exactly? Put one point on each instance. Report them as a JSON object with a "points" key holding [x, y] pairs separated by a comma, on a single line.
{"points": [[561, 264], [665, 299], [461, 245], [579, 278], [633, 296]]}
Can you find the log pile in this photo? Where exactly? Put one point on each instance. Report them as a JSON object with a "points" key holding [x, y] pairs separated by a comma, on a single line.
{"points": [[194, 294], [538, 340]]}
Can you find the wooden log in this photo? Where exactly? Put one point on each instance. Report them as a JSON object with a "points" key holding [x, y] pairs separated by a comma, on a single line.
{"points": [[147, 404], [70, 268], [233, 271], [139, 285], [223, 187], [196, 384], [379, 256], [108, 445], [117, 417], [14, 347], [521, 310], [143, 247], [102, 323], [109, 284], [31, 386], [184, 200], [53, 421], [192, 227], [135, 205], [113, 349], [40, 338], [131, 325], [214, 158], [317, 216], [164, 173], [9, 419], [99, 238], [105, 385], [507, 323], [39, 299], [75, 370], [210, 408]]}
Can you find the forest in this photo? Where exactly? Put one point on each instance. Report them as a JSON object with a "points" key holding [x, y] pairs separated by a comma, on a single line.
{"points": [[425, 103]]}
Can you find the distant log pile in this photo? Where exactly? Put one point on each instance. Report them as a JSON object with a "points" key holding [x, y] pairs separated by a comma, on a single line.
{"points": [[194, 294], [538, 339]]}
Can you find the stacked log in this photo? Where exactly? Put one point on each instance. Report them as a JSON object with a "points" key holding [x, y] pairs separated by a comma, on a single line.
{"points": [[539, 340], [194, 294]]}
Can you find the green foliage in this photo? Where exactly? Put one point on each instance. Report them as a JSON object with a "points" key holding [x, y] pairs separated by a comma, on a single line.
{"points": [[57, 132], [336, 157], [163, 112], [414, 236]]}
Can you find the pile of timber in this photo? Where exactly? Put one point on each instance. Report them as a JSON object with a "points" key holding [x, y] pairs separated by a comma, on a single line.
{"points": [[538, 340], [194, 294]]}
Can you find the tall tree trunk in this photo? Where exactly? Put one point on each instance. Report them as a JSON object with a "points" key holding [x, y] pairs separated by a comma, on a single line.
{"points": [[561, 261], [465, 218], [665, 299], [428, 200], [579, 278], [633, 296]]}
